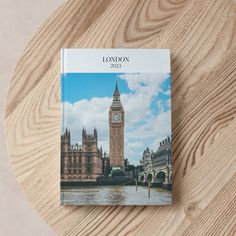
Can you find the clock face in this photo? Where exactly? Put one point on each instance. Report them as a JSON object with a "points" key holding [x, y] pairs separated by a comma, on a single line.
{"points": [[116, 117]]}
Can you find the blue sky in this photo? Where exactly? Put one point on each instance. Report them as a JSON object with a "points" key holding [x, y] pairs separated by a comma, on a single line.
{"points": [[86, 85], [86, 98]]}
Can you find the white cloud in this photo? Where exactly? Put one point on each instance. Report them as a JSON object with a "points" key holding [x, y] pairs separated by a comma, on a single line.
{"points": [[153, 127], [148, 84], [89, 114], [136, 144], [163, 105]]}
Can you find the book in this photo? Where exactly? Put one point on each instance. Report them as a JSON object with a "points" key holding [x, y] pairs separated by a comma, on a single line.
{"points": [[116, 127]]}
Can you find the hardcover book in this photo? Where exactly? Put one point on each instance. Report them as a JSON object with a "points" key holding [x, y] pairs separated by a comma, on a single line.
{"points": [[116, 127]]}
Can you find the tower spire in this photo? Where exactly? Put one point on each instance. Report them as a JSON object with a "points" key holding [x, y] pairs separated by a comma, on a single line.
{"points": [[116, 98], [116, 92]]}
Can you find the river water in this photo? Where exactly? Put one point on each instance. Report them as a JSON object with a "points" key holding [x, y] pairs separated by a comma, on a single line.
{"points": [[115, 195]]}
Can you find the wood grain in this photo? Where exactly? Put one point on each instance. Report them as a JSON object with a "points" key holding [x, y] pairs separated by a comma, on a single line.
{"points": [[202, 38]]}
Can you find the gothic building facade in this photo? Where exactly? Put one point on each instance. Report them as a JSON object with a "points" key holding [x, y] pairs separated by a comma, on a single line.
{"points": [[116, 127], [83, 162], [162, 157], [146, 161], [155, 160]]}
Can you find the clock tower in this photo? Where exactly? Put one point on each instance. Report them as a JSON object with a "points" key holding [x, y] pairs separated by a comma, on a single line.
{"points": [[116, 125]]}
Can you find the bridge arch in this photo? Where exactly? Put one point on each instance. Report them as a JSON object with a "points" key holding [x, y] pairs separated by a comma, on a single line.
{"points": [[160, 177], [142, 177], [149, 177]]}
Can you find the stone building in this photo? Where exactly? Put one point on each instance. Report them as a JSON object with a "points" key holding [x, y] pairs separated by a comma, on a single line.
{"points": [[146, 161], [116, 129], [162, 157], [156, 167], [83, 162]]}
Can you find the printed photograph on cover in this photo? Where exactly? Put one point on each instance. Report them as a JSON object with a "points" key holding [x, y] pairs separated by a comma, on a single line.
{"points": [[116, 139]]}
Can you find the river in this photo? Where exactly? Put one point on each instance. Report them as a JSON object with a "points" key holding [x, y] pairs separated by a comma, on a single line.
{"points": [[115, 195]]}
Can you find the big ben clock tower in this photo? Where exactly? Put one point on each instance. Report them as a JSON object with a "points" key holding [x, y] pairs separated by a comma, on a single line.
{"points": [[116, 125]]}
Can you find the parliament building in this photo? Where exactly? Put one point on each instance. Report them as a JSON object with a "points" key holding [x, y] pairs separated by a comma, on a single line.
{"points": [[87, 162], [83, 162]]}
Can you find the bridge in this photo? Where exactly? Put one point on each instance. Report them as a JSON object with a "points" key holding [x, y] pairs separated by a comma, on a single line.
{"points": [[160, 177]]}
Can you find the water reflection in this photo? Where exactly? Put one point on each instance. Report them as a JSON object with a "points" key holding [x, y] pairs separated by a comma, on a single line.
{"points": [[114, 195]]}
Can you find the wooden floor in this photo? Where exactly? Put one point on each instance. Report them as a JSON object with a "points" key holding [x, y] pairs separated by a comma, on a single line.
{"points": [[202, 37]]}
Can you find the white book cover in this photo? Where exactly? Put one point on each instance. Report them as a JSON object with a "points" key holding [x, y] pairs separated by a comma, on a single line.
{"points": [[116, 127]]}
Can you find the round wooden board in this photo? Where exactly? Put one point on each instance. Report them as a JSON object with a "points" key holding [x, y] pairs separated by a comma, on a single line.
{"points": [[201, 35]]}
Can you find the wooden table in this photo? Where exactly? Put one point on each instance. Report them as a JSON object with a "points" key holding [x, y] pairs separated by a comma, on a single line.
{"points": [[202, 37]]}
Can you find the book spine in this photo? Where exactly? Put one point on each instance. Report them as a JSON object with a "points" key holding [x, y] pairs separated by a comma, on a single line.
{"points": [[62, 87]]}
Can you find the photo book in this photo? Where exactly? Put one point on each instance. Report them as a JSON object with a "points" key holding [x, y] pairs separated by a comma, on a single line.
{"points": [[115, 127]]}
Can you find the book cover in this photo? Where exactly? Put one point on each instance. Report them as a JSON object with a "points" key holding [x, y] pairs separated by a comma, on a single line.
{"points": [[116, 127]]}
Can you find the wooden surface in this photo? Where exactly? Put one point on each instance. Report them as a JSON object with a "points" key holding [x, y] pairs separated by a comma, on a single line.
{"points": [[202, 37]]}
